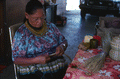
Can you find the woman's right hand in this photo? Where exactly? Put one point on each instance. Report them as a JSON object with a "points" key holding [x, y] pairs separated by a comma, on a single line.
{"points": [[42, 59]]}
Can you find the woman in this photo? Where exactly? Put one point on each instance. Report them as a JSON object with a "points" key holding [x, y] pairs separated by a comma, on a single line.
{"points": [[34, 44]]}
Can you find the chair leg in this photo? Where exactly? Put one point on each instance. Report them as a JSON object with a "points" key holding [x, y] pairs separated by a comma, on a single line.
{"points": [[15, 70]]}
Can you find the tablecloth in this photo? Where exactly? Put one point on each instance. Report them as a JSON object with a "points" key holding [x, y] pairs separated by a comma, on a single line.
{"points": [[110, 69]]}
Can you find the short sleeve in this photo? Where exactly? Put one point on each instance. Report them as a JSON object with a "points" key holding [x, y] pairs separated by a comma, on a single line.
{"points": [[18, 46]]}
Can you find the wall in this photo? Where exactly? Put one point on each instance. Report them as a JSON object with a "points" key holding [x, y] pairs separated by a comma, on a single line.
{"points": [[61, 7], [15, 11]]}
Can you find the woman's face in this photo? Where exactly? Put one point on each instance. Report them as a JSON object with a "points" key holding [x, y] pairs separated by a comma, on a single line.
{"points": [[36, 19]]}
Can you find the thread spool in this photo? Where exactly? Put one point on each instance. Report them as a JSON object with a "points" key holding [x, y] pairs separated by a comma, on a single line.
{"points": [[93, 43]]}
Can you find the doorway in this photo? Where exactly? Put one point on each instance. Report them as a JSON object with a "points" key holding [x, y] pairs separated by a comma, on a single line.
{"points": [[72, 5]]}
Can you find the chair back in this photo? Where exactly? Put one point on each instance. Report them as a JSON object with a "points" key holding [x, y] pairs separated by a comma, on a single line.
{"points": [[12, 30]]}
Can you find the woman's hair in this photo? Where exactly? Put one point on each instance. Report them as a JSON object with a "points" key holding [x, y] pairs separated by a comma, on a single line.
{"points": [[32, 6]]}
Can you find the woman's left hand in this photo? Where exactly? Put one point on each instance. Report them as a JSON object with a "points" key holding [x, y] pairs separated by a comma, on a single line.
{"points": [[59, 51]]}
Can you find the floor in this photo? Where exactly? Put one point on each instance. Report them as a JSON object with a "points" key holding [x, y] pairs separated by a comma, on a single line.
{"points": [[74, 31]]}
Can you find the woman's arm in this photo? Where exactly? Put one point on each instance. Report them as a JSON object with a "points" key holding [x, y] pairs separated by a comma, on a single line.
{"points": [[29, 61], [24, 61], [64, 45], [61, 41], [61, 48]]}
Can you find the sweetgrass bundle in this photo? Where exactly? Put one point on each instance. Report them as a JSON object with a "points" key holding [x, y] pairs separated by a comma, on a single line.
{"points": [[96, 62]]}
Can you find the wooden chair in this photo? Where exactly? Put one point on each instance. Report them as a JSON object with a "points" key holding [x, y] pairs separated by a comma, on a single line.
{"points": [[12, 30]]}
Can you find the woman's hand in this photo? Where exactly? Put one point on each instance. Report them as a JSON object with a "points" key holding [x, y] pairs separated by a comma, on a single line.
{"points": [[42, 59], [59, 51]]}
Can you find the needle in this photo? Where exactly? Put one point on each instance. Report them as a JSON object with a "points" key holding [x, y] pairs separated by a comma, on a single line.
{"points": [[52, 54]]}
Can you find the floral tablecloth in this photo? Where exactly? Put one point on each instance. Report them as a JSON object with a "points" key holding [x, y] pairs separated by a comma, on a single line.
{"points": [[110, 70]]}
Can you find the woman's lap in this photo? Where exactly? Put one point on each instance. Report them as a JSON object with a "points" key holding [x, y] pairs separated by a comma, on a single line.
{"points": [[39, 75]]}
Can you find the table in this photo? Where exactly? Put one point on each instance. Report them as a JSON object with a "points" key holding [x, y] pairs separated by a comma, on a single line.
{"points": [[110, 70]]}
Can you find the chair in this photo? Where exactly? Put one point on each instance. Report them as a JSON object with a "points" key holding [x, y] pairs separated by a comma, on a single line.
{"points": [[108, 23], [12, 30]]}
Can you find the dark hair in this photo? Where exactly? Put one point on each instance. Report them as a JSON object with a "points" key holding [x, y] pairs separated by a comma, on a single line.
{"points": [[32, 6]]}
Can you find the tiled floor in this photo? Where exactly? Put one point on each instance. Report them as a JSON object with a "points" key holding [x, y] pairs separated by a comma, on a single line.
{"points": [[74, 31]]}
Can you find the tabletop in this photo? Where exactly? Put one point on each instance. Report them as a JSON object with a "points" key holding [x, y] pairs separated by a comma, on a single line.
{"points": [[110, 69]]}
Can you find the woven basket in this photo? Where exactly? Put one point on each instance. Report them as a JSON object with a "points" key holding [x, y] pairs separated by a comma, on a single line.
{"points": [[114, 54], [115, 46], [115, 51]]}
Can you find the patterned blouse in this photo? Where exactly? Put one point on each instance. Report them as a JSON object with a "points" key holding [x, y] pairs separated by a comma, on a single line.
{"points": [[26, 44]]}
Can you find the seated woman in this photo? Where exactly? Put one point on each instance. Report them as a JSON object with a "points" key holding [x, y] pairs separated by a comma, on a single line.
{"points": [[34, 44]]}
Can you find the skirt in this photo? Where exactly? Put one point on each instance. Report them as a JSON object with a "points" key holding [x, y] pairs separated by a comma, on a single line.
{"points": [[39, 75], [54, 69]]}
